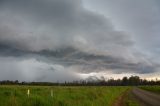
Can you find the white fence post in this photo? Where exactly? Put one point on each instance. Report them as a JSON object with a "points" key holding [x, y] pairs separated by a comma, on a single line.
{"points": [[28, 92]]}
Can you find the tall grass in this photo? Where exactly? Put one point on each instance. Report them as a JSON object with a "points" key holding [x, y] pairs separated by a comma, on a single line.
{"points": [[61, 96]]}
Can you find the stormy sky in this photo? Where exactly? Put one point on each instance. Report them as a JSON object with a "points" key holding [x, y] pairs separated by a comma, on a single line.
{"points": [[65, 40]]}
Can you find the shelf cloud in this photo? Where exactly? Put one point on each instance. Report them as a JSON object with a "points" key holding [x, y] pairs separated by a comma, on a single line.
{"points": [[51, 40]]}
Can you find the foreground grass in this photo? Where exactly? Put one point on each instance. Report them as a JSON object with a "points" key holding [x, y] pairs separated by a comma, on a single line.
{"points": [[62, 96], [130, 99], [155, 89]]}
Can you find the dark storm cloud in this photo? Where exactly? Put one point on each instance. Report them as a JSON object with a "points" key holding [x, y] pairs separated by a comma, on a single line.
{"points": [[41, 25], [140, 18], [84, 62], [62, 38]]}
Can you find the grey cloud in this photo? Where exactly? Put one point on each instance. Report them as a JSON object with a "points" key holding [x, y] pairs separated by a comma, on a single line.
{"points": [[83, 62], [140, 18], [52, 24], [29, 69], [61, 38]]}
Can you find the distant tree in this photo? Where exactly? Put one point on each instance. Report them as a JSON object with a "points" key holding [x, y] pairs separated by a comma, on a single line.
{"points": [[91, 81], [16, 81], [134, 80], [125, 81]]}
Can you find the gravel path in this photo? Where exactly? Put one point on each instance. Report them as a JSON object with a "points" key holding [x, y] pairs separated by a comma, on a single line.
{"points": [[148, 98]]}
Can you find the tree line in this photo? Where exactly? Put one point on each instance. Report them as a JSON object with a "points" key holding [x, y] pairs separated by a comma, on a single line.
{"points": [[125, 81]]}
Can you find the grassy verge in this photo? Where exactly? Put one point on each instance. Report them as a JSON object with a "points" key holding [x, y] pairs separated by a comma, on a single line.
{"points": [[62, 96], [155, 89], [130, 99]]}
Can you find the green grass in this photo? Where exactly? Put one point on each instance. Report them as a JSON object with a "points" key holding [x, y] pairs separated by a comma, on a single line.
{"points": [[62, 96], [155, 89], [130, 99]]}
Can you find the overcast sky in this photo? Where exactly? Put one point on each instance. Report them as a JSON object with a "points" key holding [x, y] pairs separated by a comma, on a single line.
{"points": [[58, 40]]}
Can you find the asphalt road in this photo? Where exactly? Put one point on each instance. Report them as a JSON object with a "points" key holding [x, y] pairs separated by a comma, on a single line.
{"points": [[148, 98]]}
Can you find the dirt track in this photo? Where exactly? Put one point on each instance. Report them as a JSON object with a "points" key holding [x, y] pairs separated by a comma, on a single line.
{"points": [[148, 98]]}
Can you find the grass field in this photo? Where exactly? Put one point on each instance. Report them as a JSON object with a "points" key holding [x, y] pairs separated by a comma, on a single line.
{"points": [[155, 89], [130, 100], [62, 96]]}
